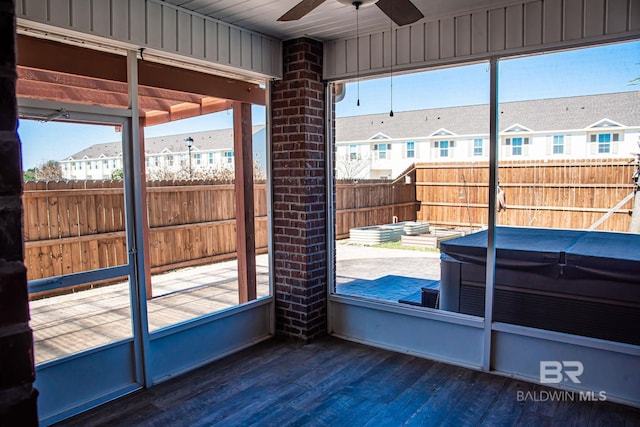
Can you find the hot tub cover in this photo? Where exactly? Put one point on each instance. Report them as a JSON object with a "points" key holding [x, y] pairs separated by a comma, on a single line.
{"points": [[605, 255], [516, 247], [576, 254]]}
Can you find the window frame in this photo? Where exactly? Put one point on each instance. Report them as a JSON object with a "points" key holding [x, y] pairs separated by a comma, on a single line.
{"points": [[411, 149], [558, 144], [478, 151]]}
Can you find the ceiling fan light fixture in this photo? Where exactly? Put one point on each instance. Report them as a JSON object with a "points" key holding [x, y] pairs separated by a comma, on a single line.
{"points": [[360, 2]]}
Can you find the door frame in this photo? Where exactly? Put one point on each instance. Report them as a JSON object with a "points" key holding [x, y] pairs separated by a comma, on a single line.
{"points": [[79, 381]]}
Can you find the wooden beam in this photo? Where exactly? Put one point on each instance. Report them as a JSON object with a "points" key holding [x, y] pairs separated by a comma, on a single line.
{"points": [[156, 117], [54, 56], [33, 83], [49, 55], [57, 92], [245, 227], [80, 82], [180, 79], [55, 77]]}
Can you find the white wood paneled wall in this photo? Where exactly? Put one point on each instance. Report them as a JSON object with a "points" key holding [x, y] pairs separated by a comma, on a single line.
{"points": [[524, 27], [163, 27]]}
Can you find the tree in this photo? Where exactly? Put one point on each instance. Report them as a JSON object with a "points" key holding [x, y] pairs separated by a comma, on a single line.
{"points": [[220, 172], [30, 174], [117, 174], [50, 170], [352, 168]]}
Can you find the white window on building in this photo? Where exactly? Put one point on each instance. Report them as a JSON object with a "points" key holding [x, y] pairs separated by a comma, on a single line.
{"points": [[80, 165], [443, 147], [353, 152], [411, 149], [156, 161], [113, 163], [604, 143], [478, 147], [210, 158], [381, 150], [198, 157], [229, 156], [170, 159], [74, 166], [64, 167], [517, 145], [105, 163], [558, 144]]}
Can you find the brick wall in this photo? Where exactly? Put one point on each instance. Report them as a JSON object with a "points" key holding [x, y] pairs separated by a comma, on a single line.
{"points": [[17, 396], [299, 193]]}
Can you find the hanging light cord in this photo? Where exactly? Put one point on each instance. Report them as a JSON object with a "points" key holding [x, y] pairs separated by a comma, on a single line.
{"points": [[357, 5], [391, 69]]}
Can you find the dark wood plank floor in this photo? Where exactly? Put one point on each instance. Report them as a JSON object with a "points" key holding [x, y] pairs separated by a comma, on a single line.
{"points": [[332, 382]]}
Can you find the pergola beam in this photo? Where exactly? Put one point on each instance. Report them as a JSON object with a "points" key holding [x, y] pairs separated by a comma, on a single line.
{"points": [[179, 79], [156, 117], [57, 92], [81, 82], [156, 105], [59, 57]]}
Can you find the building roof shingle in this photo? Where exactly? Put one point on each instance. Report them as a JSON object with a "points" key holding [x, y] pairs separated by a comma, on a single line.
{"points": [[539, 115]]}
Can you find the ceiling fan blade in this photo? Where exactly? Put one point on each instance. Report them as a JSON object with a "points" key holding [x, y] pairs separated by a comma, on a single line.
{"points": [[300, 10], [402, 12]]}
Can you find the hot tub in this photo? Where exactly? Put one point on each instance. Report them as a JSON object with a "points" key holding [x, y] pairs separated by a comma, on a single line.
{"points": [[578, 282]]}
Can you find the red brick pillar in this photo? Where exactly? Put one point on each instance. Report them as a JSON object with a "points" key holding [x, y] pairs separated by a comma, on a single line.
{"points": [[299, 193], [17, 395]]}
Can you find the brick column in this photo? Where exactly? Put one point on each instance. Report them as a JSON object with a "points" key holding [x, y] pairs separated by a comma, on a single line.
{"points": [[17, 395], [299, 193]]}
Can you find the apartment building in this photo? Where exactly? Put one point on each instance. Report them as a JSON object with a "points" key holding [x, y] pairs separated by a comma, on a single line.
{"points": [[379, 146]]}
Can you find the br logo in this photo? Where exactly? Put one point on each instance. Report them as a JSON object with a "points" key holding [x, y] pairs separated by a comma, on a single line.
{"points": [[554, 372]]}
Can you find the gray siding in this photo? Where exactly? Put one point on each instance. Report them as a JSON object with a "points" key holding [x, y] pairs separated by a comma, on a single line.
{"points": [[162, 27], [521, 27]]}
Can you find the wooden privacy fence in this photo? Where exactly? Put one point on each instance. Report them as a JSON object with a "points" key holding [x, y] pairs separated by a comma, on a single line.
{"points": [[75, 226], [371, 202], [549, 194]]}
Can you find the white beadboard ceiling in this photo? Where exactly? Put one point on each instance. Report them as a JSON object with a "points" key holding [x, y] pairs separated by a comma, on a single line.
{"points": [[329, 21]]}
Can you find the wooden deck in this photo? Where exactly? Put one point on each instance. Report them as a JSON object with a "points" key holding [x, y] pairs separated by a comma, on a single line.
{"points": [[332, 382], [67, 324]]}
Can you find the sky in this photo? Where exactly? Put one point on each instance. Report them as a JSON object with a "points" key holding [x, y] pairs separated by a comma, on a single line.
{"points": [[602, 69]]}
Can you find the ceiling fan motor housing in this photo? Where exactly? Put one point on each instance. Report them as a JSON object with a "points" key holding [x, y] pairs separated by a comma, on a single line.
{"points": [[357, 3]]}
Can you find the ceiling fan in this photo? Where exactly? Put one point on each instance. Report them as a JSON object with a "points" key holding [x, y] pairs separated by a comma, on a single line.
{"points": [[402, 12]]}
